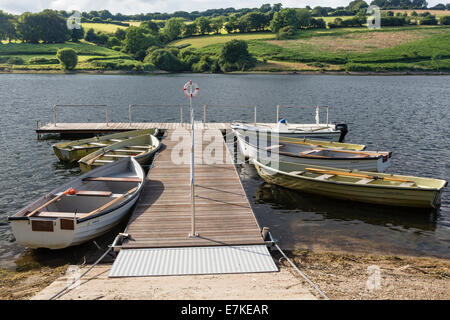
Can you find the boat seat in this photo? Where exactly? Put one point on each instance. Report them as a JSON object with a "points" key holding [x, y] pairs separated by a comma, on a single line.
{"points": [[113, 179], [103, 161], [364, 181], [57, 214], [98, 144], [116, 140], [141, 147], [325, 176], [115, 155], [94, 193], [407, 184], [307, 152], [297, 172], [274, 147], [129, 150]]}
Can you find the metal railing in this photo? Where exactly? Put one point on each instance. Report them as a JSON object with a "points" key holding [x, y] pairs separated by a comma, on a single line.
{"points": [[228, 106], [80, 105], [293, 106], [130, 109]]}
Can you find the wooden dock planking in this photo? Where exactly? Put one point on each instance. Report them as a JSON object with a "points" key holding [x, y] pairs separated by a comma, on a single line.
{"points": [[163, 214], [94, 127]]}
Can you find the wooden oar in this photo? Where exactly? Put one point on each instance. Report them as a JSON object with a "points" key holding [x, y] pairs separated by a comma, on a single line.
{"points": [[357, 152], [110, 203], [96, 157], [68, 191], [351, 174]]}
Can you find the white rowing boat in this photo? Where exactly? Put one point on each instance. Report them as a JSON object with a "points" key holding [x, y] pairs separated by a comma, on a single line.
{"points": [[81, 209], [286, 150]]}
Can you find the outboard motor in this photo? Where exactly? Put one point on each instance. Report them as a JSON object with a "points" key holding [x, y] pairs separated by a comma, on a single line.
{"points": [[282, 126], [344, 129]]}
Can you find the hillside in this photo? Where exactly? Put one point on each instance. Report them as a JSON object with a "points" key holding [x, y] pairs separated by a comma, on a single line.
{"points": [[27, 56], [345, 49]]}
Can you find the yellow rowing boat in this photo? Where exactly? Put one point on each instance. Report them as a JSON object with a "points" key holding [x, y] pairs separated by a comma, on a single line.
{"points": [[361, 186], [73, 151]]}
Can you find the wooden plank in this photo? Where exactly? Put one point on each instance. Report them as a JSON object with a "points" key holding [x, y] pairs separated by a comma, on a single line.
{"points": [[163, 214], [112, 179], [94, 193]]}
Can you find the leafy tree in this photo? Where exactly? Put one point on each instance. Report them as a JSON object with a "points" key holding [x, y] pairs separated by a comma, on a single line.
{"points": [[304, 18], [189, 29], [77, 34], [318, 23], [277, 7], [444, 20], [284, 18], [265, 7], [68, 58], [48, 26], [235, 56], [164, 59], [137, 41], [357, 5], [91, 36], [216, 24], [319, 12], [7, 28], [203, 25], [120, 33], [287, 32], [105, 14], [150, 25], [173, 27]]}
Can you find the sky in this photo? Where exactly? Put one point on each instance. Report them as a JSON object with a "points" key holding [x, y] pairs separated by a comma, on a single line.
{"points": [[144, 6]]}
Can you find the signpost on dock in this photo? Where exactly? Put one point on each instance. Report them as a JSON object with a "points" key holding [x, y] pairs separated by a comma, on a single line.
{"points": [[191, 89]]}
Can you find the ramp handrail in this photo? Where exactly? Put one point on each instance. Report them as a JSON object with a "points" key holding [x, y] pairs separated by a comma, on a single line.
{"points": [[154, 105], [80, 105], [227, 106], [294, 106]]}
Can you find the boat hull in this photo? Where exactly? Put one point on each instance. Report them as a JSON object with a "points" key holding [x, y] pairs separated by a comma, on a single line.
{"points": [[401, 197], [62, 238], [364, 164], [73, 219], [65, 153]]}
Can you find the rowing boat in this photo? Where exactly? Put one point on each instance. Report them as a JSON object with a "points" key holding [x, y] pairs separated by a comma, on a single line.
{"points": [[245, 137], [285, 150], [142, 148], [73, 151], [81, 209], [327, 132], [361, 186]]}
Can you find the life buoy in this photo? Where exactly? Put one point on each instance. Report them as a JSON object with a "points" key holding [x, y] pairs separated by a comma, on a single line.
{"points": [[195, 89]]}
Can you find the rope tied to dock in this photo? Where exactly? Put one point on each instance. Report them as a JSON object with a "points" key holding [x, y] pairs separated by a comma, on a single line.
{"points": [[59, 293], [315, 286]]}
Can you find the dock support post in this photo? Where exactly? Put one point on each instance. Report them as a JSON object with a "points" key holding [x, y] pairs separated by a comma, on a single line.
{"points": [[278, 113], [38, 126], [255, 115], [54, 114], [106, 112], [129, 113]]}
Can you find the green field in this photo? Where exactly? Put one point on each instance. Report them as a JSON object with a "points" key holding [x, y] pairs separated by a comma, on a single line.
{"points": [[203, 41], [353, 49], [87, 55], [102, 27]]}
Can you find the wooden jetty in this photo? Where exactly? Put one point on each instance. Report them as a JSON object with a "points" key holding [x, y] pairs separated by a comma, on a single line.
{"points": [[222, 212]]}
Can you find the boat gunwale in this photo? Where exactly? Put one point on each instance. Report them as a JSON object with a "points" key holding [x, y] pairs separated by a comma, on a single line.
{"points": [[80, 177], [444, 183]]}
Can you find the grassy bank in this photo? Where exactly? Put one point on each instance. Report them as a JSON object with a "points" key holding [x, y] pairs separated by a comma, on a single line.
{"points": [[41, 57], [415, 48]]}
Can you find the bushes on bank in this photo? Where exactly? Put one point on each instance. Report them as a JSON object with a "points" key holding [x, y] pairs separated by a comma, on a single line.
{"points": [[68, 58], [445, 20], [43, 60]]}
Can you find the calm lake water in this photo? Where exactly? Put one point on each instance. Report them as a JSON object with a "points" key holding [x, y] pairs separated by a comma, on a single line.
{"points": [[409, 115]]}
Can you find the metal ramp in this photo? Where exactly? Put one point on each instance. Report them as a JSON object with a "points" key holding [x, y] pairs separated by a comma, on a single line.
{"points": [[192, 261]]}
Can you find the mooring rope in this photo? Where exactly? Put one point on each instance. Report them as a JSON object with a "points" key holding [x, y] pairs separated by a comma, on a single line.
{"points": [[298, 270], [90, 268]]}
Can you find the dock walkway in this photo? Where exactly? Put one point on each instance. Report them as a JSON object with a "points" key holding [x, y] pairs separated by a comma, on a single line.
{"points": [[163, 214]]}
